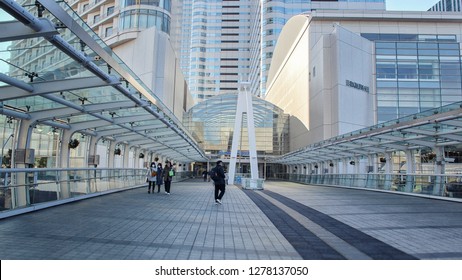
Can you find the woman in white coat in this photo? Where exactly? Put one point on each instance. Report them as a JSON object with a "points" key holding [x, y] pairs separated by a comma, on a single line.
{"points": [[151, 176]]}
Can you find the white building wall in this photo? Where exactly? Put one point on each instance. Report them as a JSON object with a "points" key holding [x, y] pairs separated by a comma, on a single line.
{"points": [[352, 60], [311, 85], [291, 91], [319, 89], [334, 107], [337, 53], [153, 59]]}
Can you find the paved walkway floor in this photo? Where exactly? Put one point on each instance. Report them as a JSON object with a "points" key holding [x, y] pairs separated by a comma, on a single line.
{"points": [[285, 221]]}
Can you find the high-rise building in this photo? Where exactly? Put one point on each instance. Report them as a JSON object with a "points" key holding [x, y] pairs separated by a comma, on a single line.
{"points": [[275, 14], [212, 41], [216, 44], [340, 72], [223, 43], [447, 6]]}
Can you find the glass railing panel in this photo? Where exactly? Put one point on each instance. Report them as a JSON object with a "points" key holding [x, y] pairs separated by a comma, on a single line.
{"points": [[20, 188], [6, 202], [426, 184]]}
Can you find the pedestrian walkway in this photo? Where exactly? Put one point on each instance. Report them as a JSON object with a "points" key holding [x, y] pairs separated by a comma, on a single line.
{"points": [[286, 221]]}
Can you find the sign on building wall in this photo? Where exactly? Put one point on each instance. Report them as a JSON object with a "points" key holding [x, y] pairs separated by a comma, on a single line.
{"points": [[357, 86]]}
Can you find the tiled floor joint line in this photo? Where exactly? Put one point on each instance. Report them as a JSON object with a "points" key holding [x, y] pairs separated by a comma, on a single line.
{"points": [[345, 249], [373, 247], [307, 244]]}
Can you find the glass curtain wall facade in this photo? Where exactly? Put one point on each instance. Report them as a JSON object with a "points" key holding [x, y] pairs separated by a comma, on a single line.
{"points": [[212, 124], [223, 43], [105, 17], [415, 73], [180, 34], [214, 48], [143, 14], [108, 18], [447, 6], [274, 15]]}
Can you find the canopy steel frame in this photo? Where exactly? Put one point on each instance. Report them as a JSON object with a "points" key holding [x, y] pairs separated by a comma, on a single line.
{"points": [[30, 26]]}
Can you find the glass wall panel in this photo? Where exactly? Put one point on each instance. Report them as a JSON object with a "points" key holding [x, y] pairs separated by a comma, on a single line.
{"points": [[7, 135], [144, 18], [426, 72], [45, 141]]}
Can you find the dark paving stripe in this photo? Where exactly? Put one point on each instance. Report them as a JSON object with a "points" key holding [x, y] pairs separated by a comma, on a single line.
{"points": [[308, 245], [372, 247]]}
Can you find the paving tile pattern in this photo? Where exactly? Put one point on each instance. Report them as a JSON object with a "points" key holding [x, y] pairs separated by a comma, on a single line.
{"points": [[307, 244], [135, 225], [425, 228], [372, 247]]}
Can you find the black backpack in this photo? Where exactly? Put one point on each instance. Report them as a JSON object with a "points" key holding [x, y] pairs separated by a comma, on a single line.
{"points": [[214, 174]]}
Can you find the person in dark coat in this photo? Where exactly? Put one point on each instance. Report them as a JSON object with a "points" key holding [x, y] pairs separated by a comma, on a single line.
{"points": [[219, 182], [159, 178], [204, 175], [167, 176]]}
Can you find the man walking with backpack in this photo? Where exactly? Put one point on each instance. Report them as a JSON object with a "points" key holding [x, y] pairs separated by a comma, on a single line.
{"points": [[217, 174]]}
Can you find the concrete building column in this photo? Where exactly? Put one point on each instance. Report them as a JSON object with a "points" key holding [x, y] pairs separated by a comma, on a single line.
{"points": [[357, 165], [410, 169], [92, 150], [19, 195], [65, 150], [338, 166], [371, 164], [111, 156], [345, 165], [324, 167], [439, 170], [142, 161], [126, 155], [388, 169], [136, 158]]}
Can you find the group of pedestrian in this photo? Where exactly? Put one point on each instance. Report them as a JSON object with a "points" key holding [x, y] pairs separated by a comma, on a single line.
{"points": [[158, 175]]}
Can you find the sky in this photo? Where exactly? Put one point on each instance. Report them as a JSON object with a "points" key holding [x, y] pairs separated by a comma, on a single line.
{"points": [[410, 5]]}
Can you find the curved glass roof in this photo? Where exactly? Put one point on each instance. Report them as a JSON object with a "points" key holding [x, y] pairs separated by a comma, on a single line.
{"points": [[212, 125]]}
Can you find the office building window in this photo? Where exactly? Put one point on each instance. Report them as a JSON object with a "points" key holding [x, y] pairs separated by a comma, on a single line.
{"points": [[108, 31], [415, 73]]}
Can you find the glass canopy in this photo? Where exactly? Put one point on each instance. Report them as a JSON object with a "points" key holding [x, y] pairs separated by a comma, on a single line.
{"points": [[56, 71]]}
